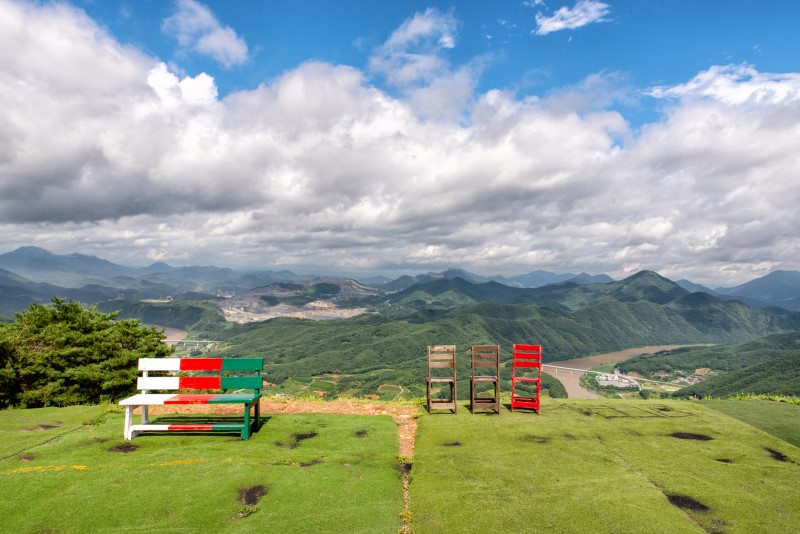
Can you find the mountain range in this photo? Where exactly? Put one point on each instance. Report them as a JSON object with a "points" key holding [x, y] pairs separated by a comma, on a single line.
{"points": [[32, 274]]}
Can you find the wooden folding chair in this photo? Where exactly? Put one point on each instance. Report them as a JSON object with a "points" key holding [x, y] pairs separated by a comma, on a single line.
{"points": [[526, 359], [485, 370], [442, 372]]}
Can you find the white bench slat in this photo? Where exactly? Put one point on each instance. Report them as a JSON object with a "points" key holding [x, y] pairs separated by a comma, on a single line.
{"points": [[146, 399], [158, 382], [159, 364]]}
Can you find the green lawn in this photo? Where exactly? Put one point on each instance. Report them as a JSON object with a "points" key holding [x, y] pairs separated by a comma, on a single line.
{"points": [[777, 418], [581, 466], [61, 471], [602, 466]]}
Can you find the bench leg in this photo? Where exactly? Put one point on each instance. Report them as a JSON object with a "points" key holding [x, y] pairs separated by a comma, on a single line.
{"points": [[246, 426], [128, 421]]}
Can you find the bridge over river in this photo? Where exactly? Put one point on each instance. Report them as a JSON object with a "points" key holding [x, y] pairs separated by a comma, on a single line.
{"points": [[569, 372]]}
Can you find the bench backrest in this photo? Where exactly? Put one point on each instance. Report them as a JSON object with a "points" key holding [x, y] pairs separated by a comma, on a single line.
{"points": [[210, 365]]}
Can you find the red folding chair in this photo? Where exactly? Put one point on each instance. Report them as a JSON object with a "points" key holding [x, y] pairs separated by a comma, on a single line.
{"points": [[526, 368]]}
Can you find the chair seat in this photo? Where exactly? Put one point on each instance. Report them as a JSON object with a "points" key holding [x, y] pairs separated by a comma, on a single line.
{"points": [[438, 379], [524, 379], [485, 379]]}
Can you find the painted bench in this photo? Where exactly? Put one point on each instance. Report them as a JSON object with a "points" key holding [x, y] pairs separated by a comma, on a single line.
{"points": [[215, 376]]}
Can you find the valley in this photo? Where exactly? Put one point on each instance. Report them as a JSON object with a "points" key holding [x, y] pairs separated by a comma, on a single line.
{"points": [[373, 338], [571, 379]]}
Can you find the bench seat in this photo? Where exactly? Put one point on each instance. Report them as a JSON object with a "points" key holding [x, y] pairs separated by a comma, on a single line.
{"points": [[246, 390], [152, 399]]}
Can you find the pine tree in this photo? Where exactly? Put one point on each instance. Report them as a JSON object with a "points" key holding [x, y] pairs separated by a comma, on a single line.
{"points": [[63, 353]]}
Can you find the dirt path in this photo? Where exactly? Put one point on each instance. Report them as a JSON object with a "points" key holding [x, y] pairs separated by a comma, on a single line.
{"points": [[402, 414], [571, 379]]}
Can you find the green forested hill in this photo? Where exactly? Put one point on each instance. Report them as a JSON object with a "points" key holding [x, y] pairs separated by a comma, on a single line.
{"points": [[382, 349], [768, 365], [195, 315], [730, 357], [780, 376], [389, 346]]}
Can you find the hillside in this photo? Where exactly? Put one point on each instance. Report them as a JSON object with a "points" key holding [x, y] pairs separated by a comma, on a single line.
{"points": [[373, 350], [780, 376], [777, 289], [724, 358]]}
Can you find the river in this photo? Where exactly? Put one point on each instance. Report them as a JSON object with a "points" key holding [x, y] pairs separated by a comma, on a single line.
{"points": [[571, 379]]}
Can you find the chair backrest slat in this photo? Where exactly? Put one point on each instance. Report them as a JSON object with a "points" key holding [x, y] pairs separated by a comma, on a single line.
{"points": [[486, 357], [526, 357], [441, 357]]}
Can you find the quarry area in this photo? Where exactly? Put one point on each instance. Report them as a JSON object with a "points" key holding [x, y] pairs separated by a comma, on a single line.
{"points": [[317, 299]]}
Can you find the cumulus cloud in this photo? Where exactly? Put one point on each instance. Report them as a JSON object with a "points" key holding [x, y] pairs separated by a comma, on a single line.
{"points": [[413, 53], [320, 168], [584, 12], [198, 30], [414, 61]]}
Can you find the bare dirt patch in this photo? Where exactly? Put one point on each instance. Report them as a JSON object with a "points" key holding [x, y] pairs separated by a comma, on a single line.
{"points": [[689, 435], [777, 455], [124, 448], [45, 426], [530, 438], [402, 414], [251, 496], [684, 502]]}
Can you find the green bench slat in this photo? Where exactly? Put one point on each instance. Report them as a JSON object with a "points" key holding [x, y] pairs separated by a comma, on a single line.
{"points": [[235, 398]]}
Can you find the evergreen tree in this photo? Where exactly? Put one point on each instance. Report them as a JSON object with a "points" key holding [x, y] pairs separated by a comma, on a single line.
{"points": [[63, 354]]}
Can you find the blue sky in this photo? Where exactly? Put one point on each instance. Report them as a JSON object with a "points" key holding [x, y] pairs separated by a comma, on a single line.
{"points": [[651, 43], [402, 137]]}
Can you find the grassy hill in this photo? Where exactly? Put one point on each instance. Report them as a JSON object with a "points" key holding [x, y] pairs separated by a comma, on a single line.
{"points": [[599, 466]]}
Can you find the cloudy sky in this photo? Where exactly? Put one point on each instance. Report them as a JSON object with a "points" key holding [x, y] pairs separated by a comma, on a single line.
{"points": [[360, 137]]}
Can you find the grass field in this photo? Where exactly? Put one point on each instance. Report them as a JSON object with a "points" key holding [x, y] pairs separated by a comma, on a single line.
{"points": [[581, 466], [777, 418], [602, 466], [65, 470]]}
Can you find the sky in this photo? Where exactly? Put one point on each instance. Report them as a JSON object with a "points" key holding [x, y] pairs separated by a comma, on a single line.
{"points": [[400, 137]]}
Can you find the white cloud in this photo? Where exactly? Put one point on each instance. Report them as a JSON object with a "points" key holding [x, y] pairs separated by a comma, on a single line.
{"points": [[736, 84], [414, 60], [584, 12], [413, 53], [319, 168], [197, 29]]}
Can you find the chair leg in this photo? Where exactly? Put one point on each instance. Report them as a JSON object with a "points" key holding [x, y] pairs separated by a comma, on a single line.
{"points": [[472, 396], [429, 397]]}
